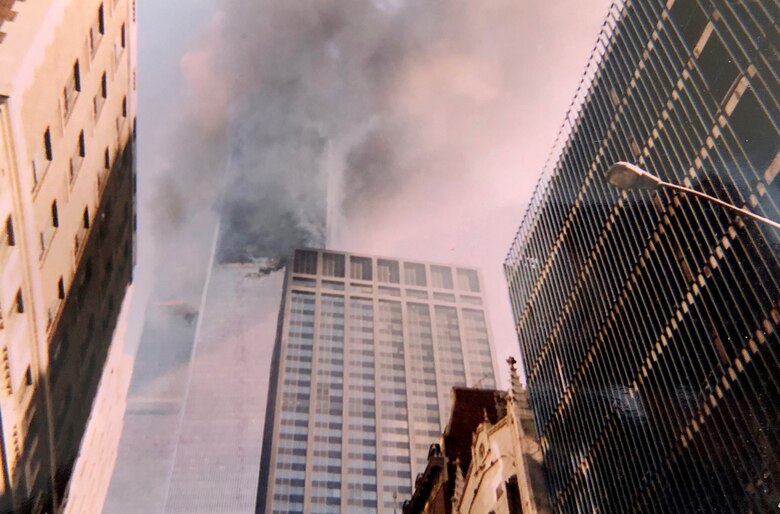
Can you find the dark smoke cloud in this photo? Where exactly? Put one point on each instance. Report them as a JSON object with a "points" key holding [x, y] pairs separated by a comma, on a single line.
{"points": [[380, 96]]}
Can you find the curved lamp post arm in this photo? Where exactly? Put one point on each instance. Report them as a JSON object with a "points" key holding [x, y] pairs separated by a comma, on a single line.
{"points": [[727, 205], [625, 176]]}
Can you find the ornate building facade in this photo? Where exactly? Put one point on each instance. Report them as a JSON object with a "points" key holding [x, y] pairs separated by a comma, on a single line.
{"points": [[488, 459]]}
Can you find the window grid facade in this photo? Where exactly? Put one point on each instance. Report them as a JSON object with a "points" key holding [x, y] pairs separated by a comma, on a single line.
{"points": [[648, 321], [377, 351], [296, 391]]}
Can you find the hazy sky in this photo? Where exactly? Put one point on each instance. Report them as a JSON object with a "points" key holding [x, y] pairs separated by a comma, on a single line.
{"points": [[440, 116]]}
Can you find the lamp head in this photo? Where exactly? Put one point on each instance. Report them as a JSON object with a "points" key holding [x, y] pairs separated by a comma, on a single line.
{"points": [[625, 175]]}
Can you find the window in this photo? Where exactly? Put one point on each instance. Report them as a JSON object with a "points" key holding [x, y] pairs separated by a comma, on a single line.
{"points": [[96, 31], [55, 218], [47, 145], [755, 131], [304, 282], [414, 274], [360, 268], [468, 280], [10, 240], [717, 67], [690, 20], [72, 89], [332, 264], [305, 261], [103, 86], [76, 79], [19, 301], [78, 156], [61, 289], [122, 36], [513, 496], [101, 20], [441, 277], [387, 271], [106, 159], [85, 218], [124, 107]]}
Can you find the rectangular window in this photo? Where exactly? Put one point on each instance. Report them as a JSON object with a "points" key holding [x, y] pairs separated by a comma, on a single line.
{"points": [[468, 280], [71, 90], [332, 264], [388, 271], [55, 218], [42, 158], [441, 277], [106, 159], [122, 36], [100, 97], [10, 240], [61, 289], [85, 218], [96, 31], [76, 79], [513, 496], [718, 68], [305, 261], [304, 282], [78, 156], [414, 274], [47, 145], [336, 286], [360, 268], [19, 301]]}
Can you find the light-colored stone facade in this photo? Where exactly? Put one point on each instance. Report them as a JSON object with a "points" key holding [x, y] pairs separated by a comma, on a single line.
{"points": [[67, 109], [97, 456], [506, 466], [488, 460]]}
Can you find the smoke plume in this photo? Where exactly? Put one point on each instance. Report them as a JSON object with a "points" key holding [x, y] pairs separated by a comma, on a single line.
{"points": [[387, 95]]}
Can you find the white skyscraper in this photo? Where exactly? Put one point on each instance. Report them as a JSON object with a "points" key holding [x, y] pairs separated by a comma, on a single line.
{"points": [[367, 352]]}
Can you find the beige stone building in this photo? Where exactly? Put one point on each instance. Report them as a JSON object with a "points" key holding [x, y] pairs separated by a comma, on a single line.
{"points": [[67, 209], [488, 460], [94, 465], [505, 475]]}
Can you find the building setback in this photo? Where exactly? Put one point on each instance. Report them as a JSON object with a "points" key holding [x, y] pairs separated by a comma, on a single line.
{"points": [[648, 321], [67, 208], [367, 351]]}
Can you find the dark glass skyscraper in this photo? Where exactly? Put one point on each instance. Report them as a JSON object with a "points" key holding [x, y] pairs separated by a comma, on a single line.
{"points": [[649, 321]]}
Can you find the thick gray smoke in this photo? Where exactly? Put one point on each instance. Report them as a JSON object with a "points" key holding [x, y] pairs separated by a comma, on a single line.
{"points": [[301, 97]]}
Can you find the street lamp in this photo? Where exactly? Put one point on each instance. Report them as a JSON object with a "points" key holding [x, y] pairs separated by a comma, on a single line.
{"points": [[625, 175]]}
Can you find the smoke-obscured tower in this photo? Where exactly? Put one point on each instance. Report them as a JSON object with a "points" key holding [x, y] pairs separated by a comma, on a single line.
{"points": [[367, 352], [648, 322]]}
